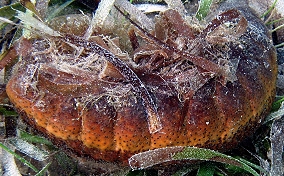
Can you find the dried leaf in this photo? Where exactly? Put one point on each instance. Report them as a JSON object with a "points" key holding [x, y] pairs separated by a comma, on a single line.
{"points": [[157, 156], [29, 5]]}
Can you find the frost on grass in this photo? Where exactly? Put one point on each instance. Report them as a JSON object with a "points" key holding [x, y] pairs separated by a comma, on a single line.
{"points": [[8, 163], [167, 154], [177, 5], [29, 149], [103, 11], [153, 157], [277, 143], [36, 24], [136, 14]]}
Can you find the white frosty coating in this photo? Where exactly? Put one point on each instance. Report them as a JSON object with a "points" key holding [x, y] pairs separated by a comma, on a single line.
{"points": [[177, 5], [29, 149], [152, 157], [150, 8], [279, 6], [138, 86], [261, 7], [189, 80], [136, 14], [277, 140], [7, 21], [94, 62], [2, 74], [90, 29], [102, 12], [28, 20], [276, 115], [277, 144], [27, 78], [7, 162]]}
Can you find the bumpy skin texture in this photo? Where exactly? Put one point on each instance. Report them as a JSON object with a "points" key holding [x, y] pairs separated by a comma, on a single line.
{"points": [[99, 116]]}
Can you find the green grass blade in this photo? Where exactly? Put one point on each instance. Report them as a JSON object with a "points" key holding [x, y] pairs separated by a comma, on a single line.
{"points": [[192, 153], [9, 11], [65, 162], [157, 156], [253, 165], [275, 21], [23, 160], [269, 10], [5, 112], [43, 170], [276, 105], [279, 45], [28, 4], [277, 28], [33, 138], [58, 10], [206, 169], [276, 114], [204, 7], [185, 170]]}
